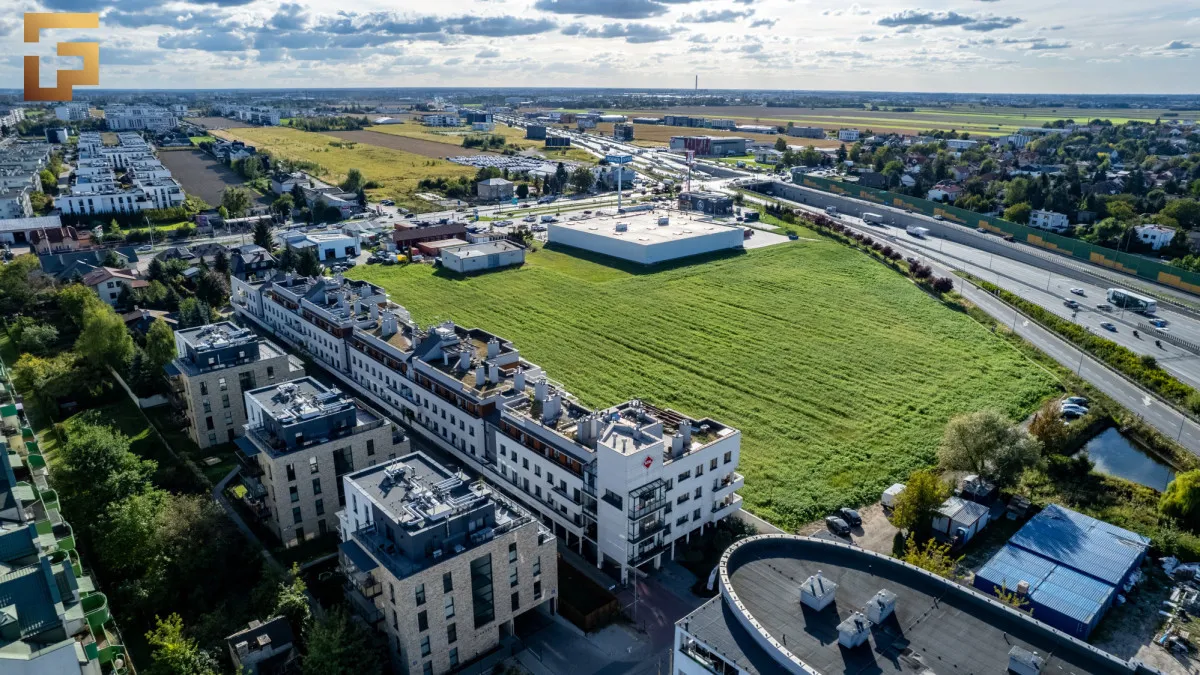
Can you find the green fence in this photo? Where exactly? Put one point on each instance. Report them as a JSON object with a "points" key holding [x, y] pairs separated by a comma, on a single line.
{"points": [[1151, 270]]}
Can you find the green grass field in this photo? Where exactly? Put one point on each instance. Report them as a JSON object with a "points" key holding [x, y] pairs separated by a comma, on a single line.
{"points": [[397, 172], [512, 136], [197, 140], [840, 373]]}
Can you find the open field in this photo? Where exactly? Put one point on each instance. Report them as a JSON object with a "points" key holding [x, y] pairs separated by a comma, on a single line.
{"points": [[201, 174], [512, 135], [396, 171], [656, 135], [197, 140], [981, 121], [840, 373], [217, 123], [417, 146]]}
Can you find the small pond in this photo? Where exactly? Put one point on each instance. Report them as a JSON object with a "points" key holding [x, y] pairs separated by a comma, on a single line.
{"points": [[1116, 455]]}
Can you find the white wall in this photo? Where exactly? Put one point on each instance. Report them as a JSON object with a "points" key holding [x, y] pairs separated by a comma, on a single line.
{"points": [[646, 254]]}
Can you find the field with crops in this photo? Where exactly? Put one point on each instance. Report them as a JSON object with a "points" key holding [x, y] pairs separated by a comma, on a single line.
{"points": [[840, 373], [512, 136], [982, 121], [396, 171]]}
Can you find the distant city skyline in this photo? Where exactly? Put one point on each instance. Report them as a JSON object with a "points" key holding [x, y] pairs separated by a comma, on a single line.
{"points": [[967, 46]]}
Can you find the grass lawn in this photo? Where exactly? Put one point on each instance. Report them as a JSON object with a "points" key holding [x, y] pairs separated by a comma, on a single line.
{"points": [[144, 442], [397, 172], [840, 373], [197, 140], [177, 437], [512, 135]]}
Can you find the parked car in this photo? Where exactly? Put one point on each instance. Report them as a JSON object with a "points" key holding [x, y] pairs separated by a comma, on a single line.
{"points": [[1009, 237], [849, 515], [1074, 411], [1076, 400], [144, 248], [1078, 291], [837, 526], [981, 230], [388, 202], [939, 216], [1108, 326]]}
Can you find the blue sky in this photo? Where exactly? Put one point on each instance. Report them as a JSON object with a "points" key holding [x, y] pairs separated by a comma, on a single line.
{"points": [[1072, 46]]}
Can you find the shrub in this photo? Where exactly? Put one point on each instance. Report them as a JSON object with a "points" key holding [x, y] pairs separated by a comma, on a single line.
{"points": [[944, 285], [1181, 499]]}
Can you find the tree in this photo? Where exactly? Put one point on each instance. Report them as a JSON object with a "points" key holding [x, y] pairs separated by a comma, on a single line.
{"points": [[582, 179], [1047, 426], [1186, 212], [45, 379], [841, 152], [291, 602], [923, 494], [75, 298], [19, 282], [560, 177], [781, 144], [987, 444], [522, 190], [175, 654], [297, 193], [287, 259], [1018, 213], [37, 338], [104, 339], [212, 288], [160, 344], [354, 181], [236, 201], [283, 206], [1181, 499], [49, 182], [339, 646], [307, 263], [221, 262], [97, 469], [931, 556], [193, 312]]}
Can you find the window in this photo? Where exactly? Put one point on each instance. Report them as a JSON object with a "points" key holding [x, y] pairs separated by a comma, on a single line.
{"points": [[208, 423], [537, 590], [481, 590], [212, 438], [452, 633], [447, 583], [454, 657], [696, 514], [516, 600], [224, 400], [222, 384], [614, 499], [395, 623], [525, 463], [422, 620], [246, 380], [449, 605], [425, 650], [228, 418], [537, 470], [296, 518], [392, 592], [537, 566], [371, 448], [699, 470], [698, 492], [291, 471], [684, 476], [728, 457], [312, 465], [207, 406], [270, 372], [204, 389], [712, 466], [512, 577], [420, 595], [294, 494], [316, 486], [427, 668], [512, 552], [320, 507]]}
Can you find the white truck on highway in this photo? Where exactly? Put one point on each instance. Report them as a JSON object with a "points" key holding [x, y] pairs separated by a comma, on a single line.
{"points": [[872, 218], [831, 211], [917, 231]]}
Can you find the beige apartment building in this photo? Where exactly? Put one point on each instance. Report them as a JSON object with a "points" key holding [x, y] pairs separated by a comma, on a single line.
{"points": [[214, 366], [440, 565], [304, 437]]}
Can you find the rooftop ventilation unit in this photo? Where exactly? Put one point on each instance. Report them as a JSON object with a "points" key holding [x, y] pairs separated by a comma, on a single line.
{"points": [[817, 592], [1024, 662], [881, 606], [854, 631]]}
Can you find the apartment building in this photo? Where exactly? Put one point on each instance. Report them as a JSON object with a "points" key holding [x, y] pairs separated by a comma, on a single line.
{"points": [[621, 485], [72, 112], [253, 114], [214, 366], [95, 189], [10, 117], [848, 135], [304, 437], [447, 120], [141, 117], [440, 565], [1049, 220], [20, 164]]}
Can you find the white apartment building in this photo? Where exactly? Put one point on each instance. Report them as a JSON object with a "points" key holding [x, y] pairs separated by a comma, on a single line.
{"points": [[129, 118], [253, 114], [96, 190], [15, 202], [1049, 220], [72, 112], [1155, 236], [9, 117], [451, 120], [621, 485], [849, 135]]}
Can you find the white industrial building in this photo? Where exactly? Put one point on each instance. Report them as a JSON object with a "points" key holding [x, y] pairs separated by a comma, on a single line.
{"points": [[482, 256], [328, 245], [131, 118], [1049, 220], [647, 237], [621, 485]]}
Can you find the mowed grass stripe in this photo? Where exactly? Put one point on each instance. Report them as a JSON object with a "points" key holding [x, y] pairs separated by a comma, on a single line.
{"points": [[839, 372]]}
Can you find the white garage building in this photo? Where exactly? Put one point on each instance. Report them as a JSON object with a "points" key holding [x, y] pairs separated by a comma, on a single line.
{"points": [[648, 237], [484, 255]]}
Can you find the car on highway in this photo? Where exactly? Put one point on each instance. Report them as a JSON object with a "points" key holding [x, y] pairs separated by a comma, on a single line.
{"points": [[981, 230], [938, 216], [849, 515], [1078, 291], [1104, 307], [837, 526], [1071, 303], [145, 248], [1158, 323], [1009, 237], [1108, 326]]}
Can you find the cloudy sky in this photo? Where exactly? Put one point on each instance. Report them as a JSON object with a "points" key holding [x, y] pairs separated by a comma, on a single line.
{"points": [[1073, 46]]}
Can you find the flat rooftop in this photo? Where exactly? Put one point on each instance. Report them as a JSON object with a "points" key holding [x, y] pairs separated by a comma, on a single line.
{"points": [[484, 248], [644, 228], [417, 482], [938, 625]]}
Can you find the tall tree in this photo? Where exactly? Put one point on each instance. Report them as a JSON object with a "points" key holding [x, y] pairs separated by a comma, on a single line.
{"points": [[104, 339], [283, 206], [262, 232], [1181, 499], [174, 653], [339, 646], [236, 201], [915, 506], [221, 262], [160, 344], [307, 263], [96, 468], [582, 179], [291, 601], [987, 444], [354, 181]]}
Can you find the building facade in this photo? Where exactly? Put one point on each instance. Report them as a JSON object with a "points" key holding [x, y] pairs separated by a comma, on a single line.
{"points": [[1049, 220], [138, 118], [441, 566], [214, 366], [621, 485], [304, 437]]}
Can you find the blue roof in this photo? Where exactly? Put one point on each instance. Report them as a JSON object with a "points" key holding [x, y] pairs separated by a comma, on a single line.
{"points": [[1082, 543], [1052, 586]]}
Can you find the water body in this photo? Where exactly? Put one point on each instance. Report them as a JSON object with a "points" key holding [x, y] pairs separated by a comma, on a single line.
{"points": [[1116, 455]]}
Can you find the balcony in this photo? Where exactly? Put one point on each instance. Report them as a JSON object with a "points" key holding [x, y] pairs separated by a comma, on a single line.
{"points": [[734, 481], [727, 506], [640, 534]]}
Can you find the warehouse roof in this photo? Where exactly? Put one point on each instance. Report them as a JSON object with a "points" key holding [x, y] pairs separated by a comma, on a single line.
{"points": [[1082, 543], [1053, 586], [644, 228]]}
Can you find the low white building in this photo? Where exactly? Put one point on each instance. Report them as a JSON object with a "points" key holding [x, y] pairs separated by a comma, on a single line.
{"points": [[452, 120], [15, 203], [960, 144], [647, 238], [108, 282], [1156, 236], [482, 256], [329, 245], [151, 118], [849, 135], [1049, 220]]}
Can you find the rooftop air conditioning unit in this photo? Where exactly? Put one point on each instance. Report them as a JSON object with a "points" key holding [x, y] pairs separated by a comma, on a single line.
{"points": [[437, 553]]}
